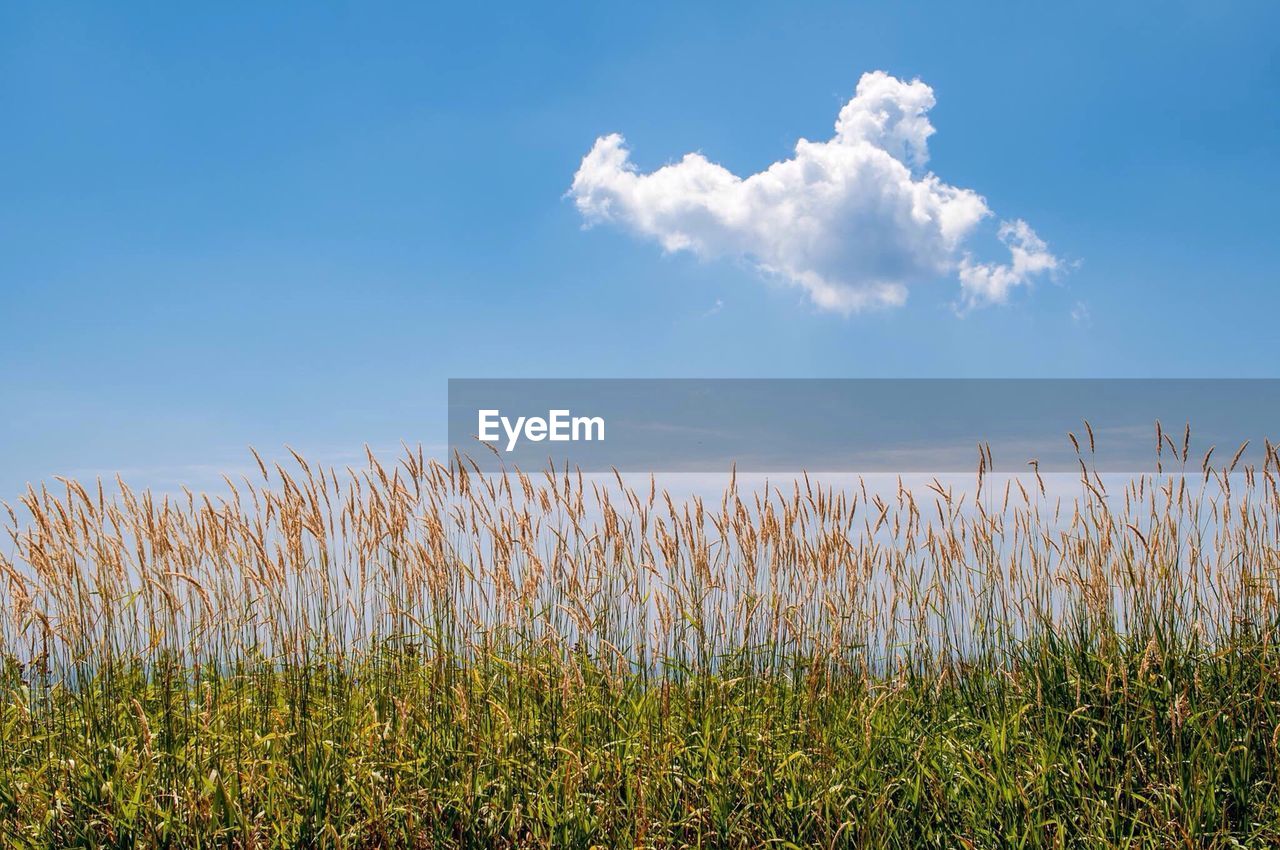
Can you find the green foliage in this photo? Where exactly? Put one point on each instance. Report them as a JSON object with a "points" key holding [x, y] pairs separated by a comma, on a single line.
{"points": [[1064, 745], [420, 657]]}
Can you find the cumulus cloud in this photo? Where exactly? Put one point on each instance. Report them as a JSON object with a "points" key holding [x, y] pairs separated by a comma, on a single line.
{"points": [[854, 221]]}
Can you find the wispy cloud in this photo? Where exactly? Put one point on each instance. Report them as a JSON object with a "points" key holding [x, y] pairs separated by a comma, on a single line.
{"points": [[1080, 313], [854, 221]]}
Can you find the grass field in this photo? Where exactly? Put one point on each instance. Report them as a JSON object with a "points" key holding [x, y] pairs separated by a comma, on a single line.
{"points": [[414, 655]]}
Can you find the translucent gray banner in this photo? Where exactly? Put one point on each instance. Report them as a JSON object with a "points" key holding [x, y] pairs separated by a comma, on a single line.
{"points": [[860, 425]]}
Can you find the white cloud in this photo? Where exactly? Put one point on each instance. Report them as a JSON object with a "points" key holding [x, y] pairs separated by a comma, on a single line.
{"points": [[991, 282], [853, 221], [1080, 313]]}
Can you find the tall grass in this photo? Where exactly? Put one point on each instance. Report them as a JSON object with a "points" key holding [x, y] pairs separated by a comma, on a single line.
{"points": [[416, 655]]}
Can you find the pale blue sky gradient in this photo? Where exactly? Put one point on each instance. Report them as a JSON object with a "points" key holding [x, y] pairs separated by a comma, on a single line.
{"points": [[272, 223]]}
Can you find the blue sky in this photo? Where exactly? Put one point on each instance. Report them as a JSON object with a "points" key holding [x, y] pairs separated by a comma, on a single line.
{"points": [[267, 224]]}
